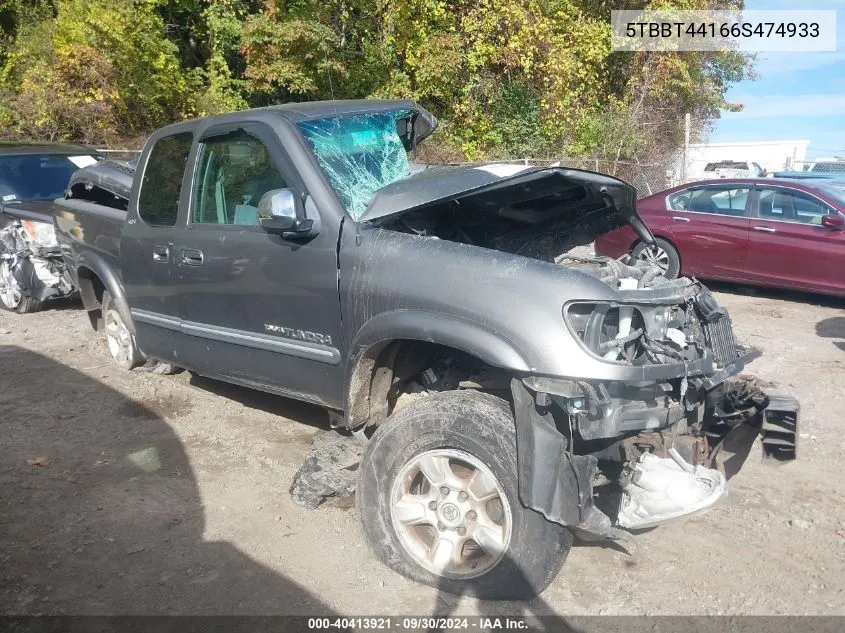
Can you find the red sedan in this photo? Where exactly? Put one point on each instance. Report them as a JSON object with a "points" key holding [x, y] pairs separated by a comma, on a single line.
{"points": [[766, 231]]}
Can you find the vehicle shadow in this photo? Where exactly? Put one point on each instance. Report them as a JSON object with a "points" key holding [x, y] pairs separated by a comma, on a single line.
{"points": [[102, 514], [833, 327], [764, 292], [302, 412], [536, 613], [73, 302]]}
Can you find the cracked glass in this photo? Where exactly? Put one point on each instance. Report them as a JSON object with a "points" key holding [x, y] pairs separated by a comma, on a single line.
{"points": [[359, 154]]}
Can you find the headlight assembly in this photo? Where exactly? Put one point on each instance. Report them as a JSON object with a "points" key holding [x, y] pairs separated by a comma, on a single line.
{"points": [[40, 233]]}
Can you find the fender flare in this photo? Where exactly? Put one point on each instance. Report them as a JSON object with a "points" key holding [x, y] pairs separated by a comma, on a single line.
{"points": [[101, 269], [419, 325]]}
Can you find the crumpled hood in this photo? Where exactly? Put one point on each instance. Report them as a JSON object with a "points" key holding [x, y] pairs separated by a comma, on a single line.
{"points": [[499, 185]]}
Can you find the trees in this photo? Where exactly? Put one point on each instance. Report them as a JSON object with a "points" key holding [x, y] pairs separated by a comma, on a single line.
{"points": [[92, 70], [506, 77]]}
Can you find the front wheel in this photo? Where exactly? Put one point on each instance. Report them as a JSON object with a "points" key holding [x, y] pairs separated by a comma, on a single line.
{"points": [[663, 254], [437, 495]]}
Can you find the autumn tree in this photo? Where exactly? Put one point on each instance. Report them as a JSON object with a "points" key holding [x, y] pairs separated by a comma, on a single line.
{"points": [[505, 77]]}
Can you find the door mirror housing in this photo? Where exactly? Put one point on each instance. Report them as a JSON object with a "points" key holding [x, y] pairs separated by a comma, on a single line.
{"points": [[836, 221], [281, 211]]}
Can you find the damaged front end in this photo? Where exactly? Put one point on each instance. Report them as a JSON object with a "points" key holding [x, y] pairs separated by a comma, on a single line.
{"points": [[661, 441], [634, 411], [31, 266]]}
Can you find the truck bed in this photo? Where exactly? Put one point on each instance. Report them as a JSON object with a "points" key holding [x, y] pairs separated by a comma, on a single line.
{"points": [[88, 230]]}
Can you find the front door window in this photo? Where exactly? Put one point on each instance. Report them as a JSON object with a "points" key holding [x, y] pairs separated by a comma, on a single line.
{"points": [[235, 171]]}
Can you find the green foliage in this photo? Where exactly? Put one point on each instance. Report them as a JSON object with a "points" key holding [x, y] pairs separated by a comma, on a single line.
{"points": [[97, 69], [507, 78]]}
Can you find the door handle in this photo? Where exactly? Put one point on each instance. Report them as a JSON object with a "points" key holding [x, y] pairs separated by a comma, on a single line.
{"points": [[161, 253], [678, 218], [191, 257], [764, 229]]}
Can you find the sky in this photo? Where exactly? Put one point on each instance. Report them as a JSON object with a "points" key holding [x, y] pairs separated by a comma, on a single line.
{"points": [[795, 96]]}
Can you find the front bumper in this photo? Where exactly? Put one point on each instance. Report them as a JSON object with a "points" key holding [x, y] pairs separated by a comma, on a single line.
{"points": [[559, 483]]}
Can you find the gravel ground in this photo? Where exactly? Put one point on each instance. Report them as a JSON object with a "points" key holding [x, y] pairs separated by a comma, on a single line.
{"points": [[138, 494]]}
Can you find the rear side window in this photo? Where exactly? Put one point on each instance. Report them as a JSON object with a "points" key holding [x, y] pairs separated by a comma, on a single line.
{"points": [[158, 203], [716, 200]]}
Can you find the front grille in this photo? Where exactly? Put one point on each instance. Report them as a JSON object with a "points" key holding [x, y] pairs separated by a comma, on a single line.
{"points": [[717, 328]]}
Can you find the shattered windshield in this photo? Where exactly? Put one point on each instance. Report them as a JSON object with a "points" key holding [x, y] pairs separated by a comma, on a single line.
{"points": [[359, 153]]}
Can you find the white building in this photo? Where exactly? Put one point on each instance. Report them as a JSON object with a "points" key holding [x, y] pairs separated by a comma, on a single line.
{"points": [[770, 155]]}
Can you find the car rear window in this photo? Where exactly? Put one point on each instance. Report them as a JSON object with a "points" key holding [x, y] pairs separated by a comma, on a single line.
{"points": [[158, 202], [30, 177]]}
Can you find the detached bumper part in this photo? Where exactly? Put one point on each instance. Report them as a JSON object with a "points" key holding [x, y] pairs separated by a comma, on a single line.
{"points": [[780, 428], [660, 489]]}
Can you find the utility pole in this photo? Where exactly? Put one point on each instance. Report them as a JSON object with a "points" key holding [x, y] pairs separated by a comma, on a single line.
{"points": [[686, 148]]}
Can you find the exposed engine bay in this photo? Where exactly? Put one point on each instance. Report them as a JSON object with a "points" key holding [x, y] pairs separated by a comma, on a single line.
{"points": [[652, 448]]}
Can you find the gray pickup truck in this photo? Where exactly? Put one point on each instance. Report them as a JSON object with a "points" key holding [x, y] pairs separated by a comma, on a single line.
{"points": [[511, 394]]}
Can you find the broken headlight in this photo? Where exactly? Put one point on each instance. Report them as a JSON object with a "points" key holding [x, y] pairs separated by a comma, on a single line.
{"points": [[40, 233], [613, 332]]}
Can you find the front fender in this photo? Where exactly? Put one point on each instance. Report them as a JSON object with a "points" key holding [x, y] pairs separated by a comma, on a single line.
{"points": [[451, 331], [417, 325]]}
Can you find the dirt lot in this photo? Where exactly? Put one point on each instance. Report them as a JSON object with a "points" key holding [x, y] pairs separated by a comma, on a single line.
{"points": [[162, 494]]}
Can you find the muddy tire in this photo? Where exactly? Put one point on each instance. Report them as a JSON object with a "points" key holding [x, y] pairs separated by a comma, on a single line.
{"points": [[437, 495], [663, 253], [120, 341]]}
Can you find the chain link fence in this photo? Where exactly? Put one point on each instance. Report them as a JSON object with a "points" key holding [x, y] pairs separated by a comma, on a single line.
{"points": [[119, 154], [822, 165], [646, 178]]}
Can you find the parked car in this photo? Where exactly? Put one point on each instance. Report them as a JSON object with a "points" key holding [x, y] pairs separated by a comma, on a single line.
{"points": [[764, 231], [31, 176], [494, 377], [824, 168], [733, 169]]}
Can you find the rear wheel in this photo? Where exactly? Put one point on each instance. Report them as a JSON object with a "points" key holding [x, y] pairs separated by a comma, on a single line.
{"points": [[437, 494], [662, 254], [120, 340], [12, 297], [121, 343]]}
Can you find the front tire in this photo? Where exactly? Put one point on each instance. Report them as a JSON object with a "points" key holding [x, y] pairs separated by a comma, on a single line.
{"points": [[663, 254], [438, 498]]}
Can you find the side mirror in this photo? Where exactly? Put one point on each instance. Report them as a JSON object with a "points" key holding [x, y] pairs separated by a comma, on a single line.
{"points": [[281, 211], [833, 221]]}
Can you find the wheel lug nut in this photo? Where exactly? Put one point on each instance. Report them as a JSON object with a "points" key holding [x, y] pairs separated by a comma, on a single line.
{"points": [[441, 527], [462, 496], [432, 505], [471, 515], [461, 531], [444, 490]]}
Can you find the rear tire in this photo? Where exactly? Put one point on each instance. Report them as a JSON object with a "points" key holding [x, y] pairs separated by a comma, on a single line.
{"points": [[120, 341], [467, 440], [663, 253]]}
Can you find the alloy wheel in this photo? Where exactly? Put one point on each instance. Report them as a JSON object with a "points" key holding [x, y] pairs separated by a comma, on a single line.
{"points": [[655, 255], [118, 337], [451, 513], [10, 292]]}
